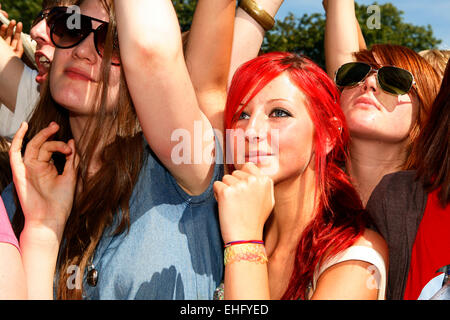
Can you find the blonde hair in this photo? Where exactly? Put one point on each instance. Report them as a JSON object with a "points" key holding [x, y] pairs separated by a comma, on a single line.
{"points": [[437, 58]]}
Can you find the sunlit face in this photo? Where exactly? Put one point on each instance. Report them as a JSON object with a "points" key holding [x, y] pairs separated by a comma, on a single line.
{"points": [[276, 131], [44, 48], [76, 72], [374, 114]]}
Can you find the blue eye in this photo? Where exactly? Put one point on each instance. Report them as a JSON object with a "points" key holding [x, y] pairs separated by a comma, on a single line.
{"points": [[244, 116], [279, 113]]}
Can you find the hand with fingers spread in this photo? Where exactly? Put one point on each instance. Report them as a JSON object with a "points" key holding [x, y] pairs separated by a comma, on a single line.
{"points": [[46, 197], [245, 199], [12, 35]]}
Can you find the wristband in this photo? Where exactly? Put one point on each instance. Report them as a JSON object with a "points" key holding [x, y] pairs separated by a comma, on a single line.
{"points": [[251, 252], [232, 243]]}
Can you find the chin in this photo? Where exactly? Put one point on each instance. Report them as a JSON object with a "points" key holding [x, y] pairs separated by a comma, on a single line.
{"points": [[377, 134], [71, 102]]}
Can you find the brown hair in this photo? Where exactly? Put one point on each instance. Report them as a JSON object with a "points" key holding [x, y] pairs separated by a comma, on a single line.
{"points": [[47, 4], [5, 168], [426, 78], [433, 147], [437, 58], [105, 193]]}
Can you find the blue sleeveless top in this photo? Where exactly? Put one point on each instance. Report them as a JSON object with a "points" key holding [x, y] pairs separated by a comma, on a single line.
{"points": [[173, 249]]}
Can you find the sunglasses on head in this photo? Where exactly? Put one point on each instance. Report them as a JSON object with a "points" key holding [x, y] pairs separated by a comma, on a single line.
{"points": [[65, 34], [48, 14], [391, 79]]}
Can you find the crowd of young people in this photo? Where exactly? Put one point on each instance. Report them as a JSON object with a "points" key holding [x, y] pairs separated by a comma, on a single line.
{"points": [[147, 164]]}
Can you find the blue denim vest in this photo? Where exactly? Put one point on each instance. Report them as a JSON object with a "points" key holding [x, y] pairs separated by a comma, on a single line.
{"points": [[173, 249]]}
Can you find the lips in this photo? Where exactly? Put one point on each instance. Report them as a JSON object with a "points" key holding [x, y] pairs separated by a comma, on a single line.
{"points": [[366, 102], [257, 156], [43, 64], [78, 74]]}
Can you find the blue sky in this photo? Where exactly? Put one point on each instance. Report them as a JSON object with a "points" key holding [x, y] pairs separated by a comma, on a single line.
{"points": [[418, 12]]}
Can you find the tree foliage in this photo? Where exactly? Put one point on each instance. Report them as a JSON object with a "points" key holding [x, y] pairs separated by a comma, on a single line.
{"points": [[22, 10], [394, 30], [305, 34], [185, 11], [302, 34]]}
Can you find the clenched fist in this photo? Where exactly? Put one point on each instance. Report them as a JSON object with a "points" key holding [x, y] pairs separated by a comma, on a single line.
{"points": [[245, 199]]}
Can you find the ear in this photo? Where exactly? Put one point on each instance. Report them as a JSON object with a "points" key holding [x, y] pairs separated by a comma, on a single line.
{"points": [[331, 141]]}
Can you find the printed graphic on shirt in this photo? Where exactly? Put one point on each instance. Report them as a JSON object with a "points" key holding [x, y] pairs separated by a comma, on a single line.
{"points": [[435, 284]]}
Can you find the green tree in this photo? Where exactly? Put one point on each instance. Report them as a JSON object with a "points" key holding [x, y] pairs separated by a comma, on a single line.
{"points": [[394, 30], [22, 10], [185, 11], [305, 34]]}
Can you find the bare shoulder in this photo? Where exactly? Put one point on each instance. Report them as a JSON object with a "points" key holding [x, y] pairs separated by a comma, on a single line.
{"points": [[350, 279], [374, 240]]}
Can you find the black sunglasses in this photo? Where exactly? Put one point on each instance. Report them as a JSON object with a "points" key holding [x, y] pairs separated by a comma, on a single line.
{"points": [[64, 36], [393, 80], [48, 14]]}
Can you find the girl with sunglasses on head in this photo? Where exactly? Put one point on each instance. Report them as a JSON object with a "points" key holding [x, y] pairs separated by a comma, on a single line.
{"points": [[411, 210], [292, 223], [132, 222], [386, 95]]}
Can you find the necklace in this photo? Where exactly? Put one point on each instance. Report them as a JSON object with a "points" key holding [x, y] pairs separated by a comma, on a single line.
{"points": [[92, 273]]}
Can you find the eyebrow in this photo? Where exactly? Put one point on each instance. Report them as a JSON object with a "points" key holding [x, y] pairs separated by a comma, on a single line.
{"points": [[279, 99], [272, 100]]}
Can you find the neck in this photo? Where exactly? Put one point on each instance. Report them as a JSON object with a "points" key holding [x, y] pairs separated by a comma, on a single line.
{"points": [[294, 209], [78, 124], [369, 161]]}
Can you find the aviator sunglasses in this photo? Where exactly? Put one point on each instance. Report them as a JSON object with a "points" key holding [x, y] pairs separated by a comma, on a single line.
{"points": [[391, 79], [48, 14], [65, 34]]}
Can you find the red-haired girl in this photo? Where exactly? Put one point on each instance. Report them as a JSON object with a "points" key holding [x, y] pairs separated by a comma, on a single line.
{"points": [[411, 210], [292, 224], [386, 96]]}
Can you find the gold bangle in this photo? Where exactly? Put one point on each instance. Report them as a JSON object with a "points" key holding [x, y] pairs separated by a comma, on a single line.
{"points": [[260, 15]]}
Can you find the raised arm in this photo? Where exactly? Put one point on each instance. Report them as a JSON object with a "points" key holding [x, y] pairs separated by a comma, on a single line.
{"points": [[161, 88], [11, 67], [208, 54], [342, 37], [249, 34]]}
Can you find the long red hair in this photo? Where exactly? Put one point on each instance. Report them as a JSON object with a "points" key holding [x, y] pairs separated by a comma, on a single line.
{"points": [[340, 218]]}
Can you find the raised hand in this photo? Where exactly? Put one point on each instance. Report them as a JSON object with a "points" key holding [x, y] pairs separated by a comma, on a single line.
{"points": [[245, 200], [12, 36], [46, 197]]}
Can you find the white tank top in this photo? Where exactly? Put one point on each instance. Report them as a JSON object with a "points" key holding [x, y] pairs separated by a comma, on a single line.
{"points": [[360, 253]]}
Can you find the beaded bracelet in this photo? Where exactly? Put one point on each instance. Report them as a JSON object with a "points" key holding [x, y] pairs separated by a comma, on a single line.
{"points": [[232, 243], [251, 252]]}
